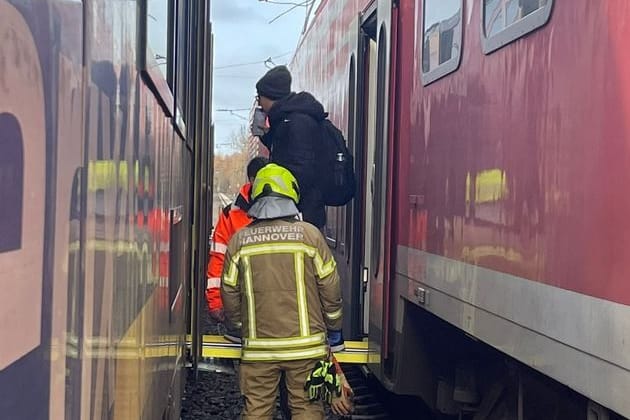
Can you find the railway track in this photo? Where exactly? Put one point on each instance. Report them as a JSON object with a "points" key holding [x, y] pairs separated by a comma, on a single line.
{"points": [[368, 401]]}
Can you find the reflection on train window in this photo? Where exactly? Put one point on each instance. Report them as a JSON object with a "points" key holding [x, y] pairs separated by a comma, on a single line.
{"points": [[330, 230], [159, 39], [442, 38], [11, 182], [176, 258], [507, 20], [183, 60]]}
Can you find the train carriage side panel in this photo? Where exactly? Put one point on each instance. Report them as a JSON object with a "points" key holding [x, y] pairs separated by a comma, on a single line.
{"points": [[510, 176], [26, 137], [510, 221], [95, 183]]}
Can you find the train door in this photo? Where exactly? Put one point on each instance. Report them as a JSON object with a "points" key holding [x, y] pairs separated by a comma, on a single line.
{"points": [[375, 107], [369, 64]]}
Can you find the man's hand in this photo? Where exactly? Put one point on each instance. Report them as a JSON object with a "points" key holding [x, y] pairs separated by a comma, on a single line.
{"points": [[342, 405]]}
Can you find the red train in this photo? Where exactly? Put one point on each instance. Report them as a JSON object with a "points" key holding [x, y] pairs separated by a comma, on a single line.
{"points": [[487, 253]]}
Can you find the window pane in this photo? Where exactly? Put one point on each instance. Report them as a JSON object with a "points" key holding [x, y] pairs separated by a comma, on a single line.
{"points": [[331, 225], [11, 183], [530, 6], [499, 14], [182, 56], [442, 22], [493, 17], [157, 35], [511, 11]]}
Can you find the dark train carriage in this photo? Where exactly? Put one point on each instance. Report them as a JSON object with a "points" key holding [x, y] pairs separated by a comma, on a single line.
{"points": [[104, 143]]}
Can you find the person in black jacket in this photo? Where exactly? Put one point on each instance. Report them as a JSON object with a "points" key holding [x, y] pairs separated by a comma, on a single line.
{"points": [[293, 138]]}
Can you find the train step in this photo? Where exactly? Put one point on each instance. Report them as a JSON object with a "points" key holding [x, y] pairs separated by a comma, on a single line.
{"points": [[217, 347]]}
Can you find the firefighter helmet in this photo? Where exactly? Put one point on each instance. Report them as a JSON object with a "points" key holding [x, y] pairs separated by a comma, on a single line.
{"points": [[274, 180]]}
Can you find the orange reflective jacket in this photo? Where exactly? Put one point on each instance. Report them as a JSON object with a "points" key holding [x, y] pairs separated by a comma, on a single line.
{"points": [[231, 219]]}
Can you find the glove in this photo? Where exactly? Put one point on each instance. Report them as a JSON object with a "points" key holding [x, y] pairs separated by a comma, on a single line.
{"points": [[335, 340], [217, 314], [323, 383]]}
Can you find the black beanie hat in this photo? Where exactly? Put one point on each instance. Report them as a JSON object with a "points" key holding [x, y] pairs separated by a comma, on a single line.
{"points": [[255, 165], [275, 84]]}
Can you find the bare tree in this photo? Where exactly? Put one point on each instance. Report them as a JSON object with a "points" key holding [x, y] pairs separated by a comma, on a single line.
{"points": [[230, 169]]}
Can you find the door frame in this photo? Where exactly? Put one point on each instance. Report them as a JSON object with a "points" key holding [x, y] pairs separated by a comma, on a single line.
{"points": [[374, 23]]}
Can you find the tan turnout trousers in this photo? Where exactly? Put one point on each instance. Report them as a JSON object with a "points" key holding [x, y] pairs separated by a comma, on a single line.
{"points": [[259, 383]]}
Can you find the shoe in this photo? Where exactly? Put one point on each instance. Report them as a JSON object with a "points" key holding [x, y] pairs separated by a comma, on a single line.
{"points": [[335, 341], [233, 335]]}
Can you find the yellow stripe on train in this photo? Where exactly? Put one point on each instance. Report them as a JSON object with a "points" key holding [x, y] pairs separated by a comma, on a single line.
{"points": [[216, 346]]}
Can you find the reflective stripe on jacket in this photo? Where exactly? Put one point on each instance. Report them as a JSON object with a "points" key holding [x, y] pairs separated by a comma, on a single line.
{"points": [[280, 281], [231, 219]]}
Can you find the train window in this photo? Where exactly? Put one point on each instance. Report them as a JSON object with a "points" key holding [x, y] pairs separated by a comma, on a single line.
{"points": [[158, 39], [331, 229], [182, 65], [339, 218], [176, 259], [507, 20], [157, 62], [442, 38], [11, 183]]}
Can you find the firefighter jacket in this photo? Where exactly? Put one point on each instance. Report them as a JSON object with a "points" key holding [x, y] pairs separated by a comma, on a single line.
{"points": [[232, 218], [280, 283]]}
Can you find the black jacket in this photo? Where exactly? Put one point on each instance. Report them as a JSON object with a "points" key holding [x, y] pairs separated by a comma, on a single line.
{"points": [[294, 142]]}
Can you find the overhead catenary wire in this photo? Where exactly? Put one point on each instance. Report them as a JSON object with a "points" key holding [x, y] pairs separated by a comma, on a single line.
{"points": [[232, 76], [290, 9], [285, 3], [233, 112], [251, 63], [308, 16]]}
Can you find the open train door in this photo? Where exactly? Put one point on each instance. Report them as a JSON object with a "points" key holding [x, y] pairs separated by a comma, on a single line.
{"points": [[374, 81], [348, 248]]}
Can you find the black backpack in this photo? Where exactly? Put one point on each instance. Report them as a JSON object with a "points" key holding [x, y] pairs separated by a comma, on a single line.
{"points": [[336, 179]]}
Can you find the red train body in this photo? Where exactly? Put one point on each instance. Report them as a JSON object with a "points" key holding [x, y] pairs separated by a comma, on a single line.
{"points": [[493, 143]]}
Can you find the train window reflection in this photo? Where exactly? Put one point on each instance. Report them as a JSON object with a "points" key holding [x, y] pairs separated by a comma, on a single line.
{"points": [[442, 38], [499, 14], [507, 20], [11, 183], [158, 39], [183, 59], [332, 215]]}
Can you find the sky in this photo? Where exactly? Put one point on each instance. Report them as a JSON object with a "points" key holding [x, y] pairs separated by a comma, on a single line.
{"points": [[442, 10], [243, 34]]}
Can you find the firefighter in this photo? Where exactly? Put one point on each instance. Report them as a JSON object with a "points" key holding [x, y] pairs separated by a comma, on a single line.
{"points": [[231, 219], [281, 291]]}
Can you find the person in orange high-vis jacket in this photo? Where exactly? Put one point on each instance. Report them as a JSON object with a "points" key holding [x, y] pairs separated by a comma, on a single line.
{"points": [[232, 218]]}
